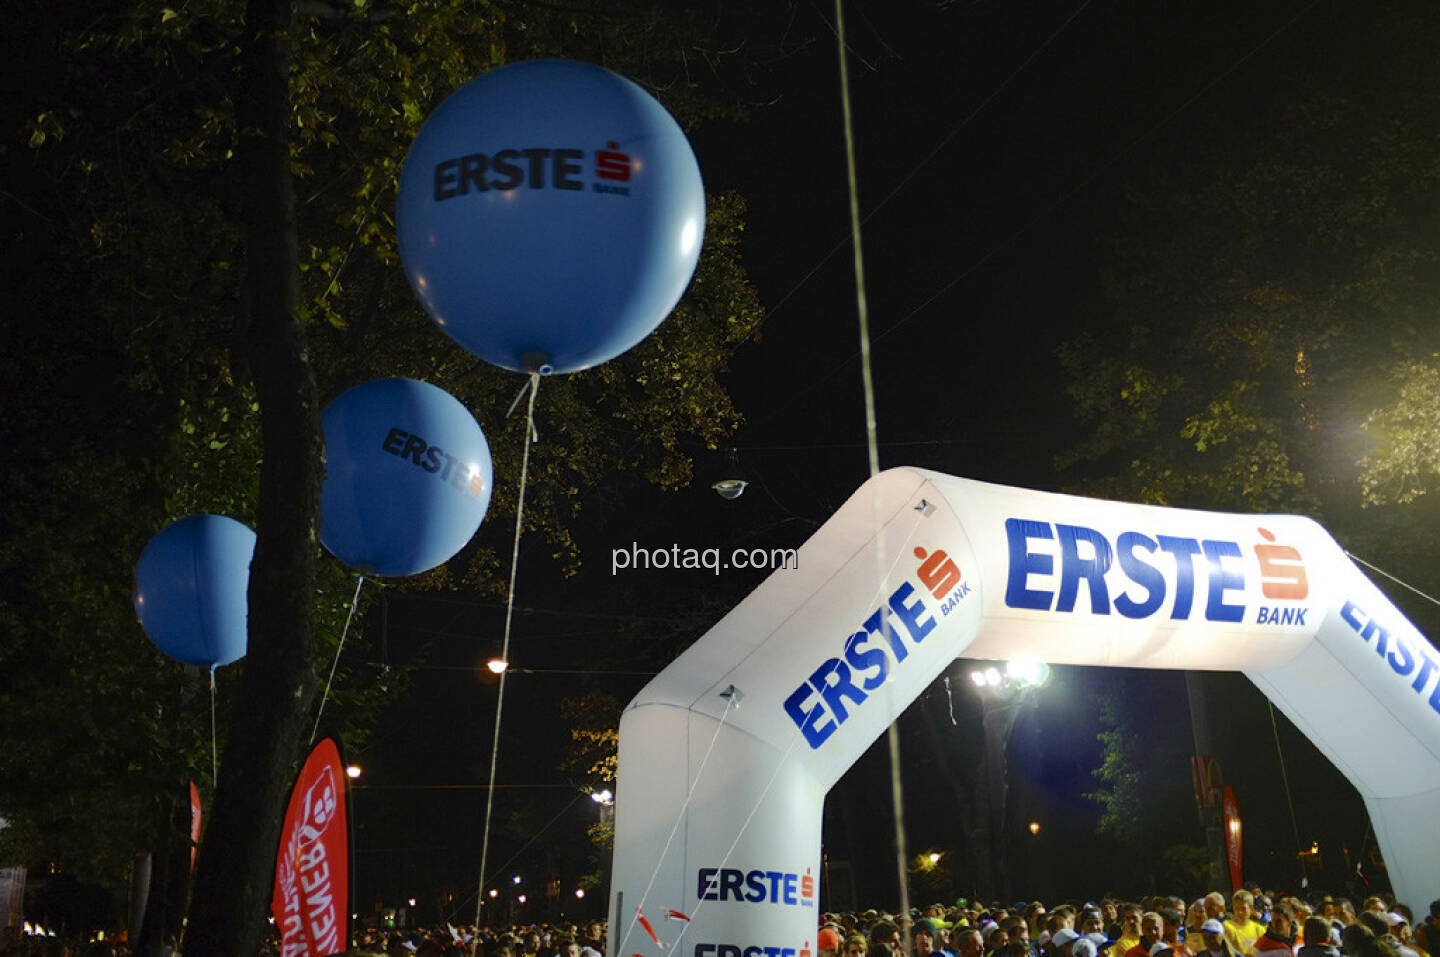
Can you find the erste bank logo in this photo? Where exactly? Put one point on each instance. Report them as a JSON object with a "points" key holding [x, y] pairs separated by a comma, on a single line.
{"points": [[1139, 574], [561, 168], [881, 642]]}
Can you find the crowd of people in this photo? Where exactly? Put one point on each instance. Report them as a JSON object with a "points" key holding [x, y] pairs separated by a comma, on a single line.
{"points": [[1251, 923]]}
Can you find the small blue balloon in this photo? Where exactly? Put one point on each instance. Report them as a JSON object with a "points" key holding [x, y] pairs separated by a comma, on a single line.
{"points": [[190, 589], [550, 215], [407, 477]]}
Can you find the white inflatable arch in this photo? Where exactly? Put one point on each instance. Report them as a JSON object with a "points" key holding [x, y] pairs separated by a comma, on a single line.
{"points": [[726, 756]]}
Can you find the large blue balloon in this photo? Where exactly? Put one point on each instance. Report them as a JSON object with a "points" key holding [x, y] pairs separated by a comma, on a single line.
{"points": [[190, 586], [407, 477], [550, 215]]}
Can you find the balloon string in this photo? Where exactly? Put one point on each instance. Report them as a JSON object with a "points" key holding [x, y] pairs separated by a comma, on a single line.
{"points": [[680, 816], [214, 751], [354, 602], [872, 443], [1429, 598], [531, 435]]}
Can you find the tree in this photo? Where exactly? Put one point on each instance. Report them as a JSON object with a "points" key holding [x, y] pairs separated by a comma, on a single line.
{"points": [[165, 130], [1269, 336], [1141, 783]]}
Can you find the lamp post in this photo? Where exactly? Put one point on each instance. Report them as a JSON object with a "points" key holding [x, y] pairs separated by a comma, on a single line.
{"points": [[1002, 692]]}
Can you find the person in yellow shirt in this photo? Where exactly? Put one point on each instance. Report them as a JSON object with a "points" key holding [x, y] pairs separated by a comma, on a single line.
{"points": [[1129, 930], [1242, 930]]}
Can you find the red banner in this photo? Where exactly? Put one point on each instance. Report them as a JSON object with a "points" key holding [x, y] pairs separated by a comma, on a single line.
{"points": [[1205, 775], [1230, 811], [194, 822], [311, 903]]}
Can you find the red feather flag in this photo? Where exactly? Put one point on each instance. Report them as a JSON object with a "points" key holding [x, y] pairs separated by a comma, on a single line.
{"points": [[311, 902]]}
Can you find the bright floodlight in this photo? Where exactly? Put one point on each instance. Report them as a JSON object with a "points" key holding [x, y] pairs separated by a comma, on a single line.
{"points": [[580, 892], [978, 677], [602, 797], [992, 676], [1028, 670], [934, 857], [497, 666], [352, 771]]}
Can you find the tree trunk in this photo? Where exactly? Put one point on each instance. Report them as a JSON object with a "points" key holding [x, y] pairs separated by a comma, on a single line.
{"points": [[236, 863]]}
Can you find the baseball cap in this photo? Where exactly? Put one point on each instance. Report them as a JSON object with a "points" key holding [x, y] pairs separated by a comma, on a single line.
{"points": [[1084, 947], [828, 939], [1213, 926], [1064, 936]]}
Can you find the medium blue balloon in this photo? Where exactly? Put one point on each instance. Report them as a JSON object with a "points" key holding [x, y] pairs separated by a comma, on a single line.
{"points": [[407, 477], [190, 586], [550, 215]]}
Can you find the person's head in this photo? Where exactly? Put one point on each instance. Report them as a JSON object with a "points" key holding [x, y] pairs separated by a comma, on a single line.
{"points": [[1063, 941], [1347, 910], [1195, 914], [1374, 903], [1214, 905], [1213, 933], [1109, 910], [1017, 930], [1375, 922], [572, 949], [532, 943], [1435, 910], [857, 945], [1316, 932], [923, 935], [828, 943], [884, 932], [995, 939], [968, 943], [594, 933], [1152, 928], [1357, 940], [1282, 920], [1242, 905], [1130, 920], [1170, 921]]}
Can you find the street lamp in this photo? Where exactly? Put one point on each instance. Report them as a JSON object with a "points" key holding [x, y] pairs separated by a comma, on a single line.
{"points": [[352, 771], [497, 666], [1001, 692]]}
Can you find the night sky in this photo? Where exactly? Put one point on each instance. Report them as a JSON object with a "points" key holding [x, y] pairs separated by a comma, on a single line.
{"points": [[994, 141]]}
